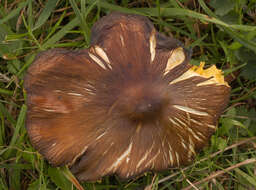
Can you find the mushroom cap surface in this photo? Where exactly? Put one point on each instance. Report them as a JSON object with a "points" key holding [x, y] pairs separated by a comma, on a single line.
{"points": [[130, 103]]}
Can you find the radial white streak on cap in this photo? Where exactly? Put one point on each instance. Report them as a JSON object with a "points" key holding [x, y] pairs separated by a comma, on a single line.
{"points": [[152, 42], [211, 81], [191, 148], [185, 76], [122, 40], [77, 156], [103, 55], [194, 134], [211, 126], [145, 156], [153, 158], [177, 56], [171, 158], [101, 135], [181, 122], [170, 154], [74, 94], [121, 158], [50, 110], [196, 122], [174, 122], [99, 62], [191, 110], [177, 158]]}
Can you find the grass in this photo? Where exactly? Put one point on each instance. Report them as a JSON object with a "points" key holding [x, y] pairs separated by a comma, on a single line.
{"points": [[220, 32]]}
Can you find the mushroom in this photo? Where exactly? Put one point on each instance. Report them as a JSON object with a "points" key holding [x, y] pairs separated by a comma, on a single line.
{"points": [[130, 103]]}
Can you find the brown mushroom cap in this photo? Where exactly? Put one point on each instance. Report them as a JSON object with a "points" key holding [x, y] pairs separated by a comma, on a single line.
{"points": [[129, 104]]}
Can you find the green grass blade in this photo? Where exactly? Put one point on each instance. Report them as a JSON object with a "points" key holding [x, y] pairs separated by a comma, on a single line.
{"points": [[46, 13], [59, 179], [19, 125], [3, 186], [17, 166], [242, 40], [13, 13], [56, 37], [82, 17], [55, 27], [76, 10], [198, 41], [15, 179], [6, 92], [112, 7], [26, 65], [248, 178], [2, 130], [71, 177], [231, 70], [30, 16], [29, 29], [83, 6], [6, 114], [249, 44], [170, 12]]}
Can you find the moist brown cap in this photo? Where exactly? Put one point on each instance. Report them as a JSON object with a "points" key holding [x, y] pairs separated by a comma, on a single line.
{"points": [[130, 103]]}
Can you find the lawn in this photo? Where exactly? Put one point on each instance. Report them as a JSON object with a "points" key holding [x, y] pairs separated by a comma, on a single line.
{"points": [[221, 33]]}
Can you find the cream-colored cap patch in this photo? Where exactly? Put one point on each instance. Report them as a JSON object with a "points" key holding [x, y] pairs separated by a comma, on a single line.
{"points": [[177, 56]]}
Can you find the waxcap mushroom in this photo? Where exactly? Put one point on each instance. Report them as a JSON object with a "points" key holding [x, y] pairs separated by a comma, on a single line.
{"points": [[130, 103]]}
